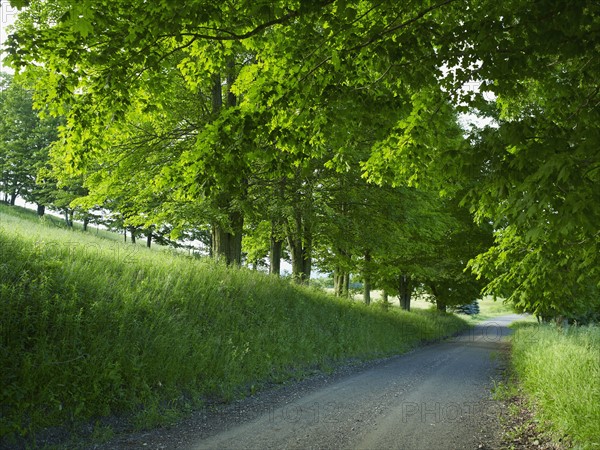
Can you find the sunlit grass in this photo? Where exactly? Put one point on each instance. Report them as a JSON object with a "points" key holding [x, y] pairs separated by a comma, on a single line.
{"points": [[91, 327], [490, 308], [560, 371]]}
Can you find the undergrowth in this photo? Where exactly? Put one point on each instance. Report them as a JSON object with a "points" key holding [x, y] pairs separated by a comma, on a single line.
{"points": [[90, 328]]}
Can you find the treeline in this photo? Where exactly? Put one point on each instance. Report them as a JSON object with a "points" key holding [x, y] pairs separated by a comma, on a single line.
{"points": [[329, 133], [394, 238], [26, 169]]}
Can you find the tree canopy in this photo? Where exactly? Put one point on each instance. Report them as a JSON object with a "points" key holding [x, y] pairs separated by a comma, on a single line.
{"points": [[189, 111], [24, 145]]}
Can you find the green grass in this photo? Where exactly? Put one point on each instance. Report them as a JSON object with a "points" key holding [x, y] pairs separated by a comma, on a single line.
{"points": [[91, 327], [490, 308], [560, 371]]}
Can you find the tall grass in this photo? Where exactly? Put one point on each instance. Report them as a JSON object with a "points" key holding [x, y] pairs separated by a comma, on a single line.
{"points": [[90, 328], [560, 371]]}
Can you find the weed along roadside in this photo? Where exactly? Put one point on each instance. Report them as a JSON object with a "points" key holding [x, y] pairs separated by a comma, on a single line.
{"points": [[91, 332], [552, 388]]}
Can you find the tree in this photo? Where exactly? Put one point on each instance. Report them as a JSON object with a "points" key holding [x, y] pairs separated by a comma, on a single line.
{"points": [[450, 282], [534, 173], [407, 258], [25, 139]]}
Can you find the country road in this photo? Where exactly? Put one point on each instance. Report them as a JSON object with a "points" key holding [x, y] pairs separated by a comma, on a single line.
{"points": [[435, 397]]}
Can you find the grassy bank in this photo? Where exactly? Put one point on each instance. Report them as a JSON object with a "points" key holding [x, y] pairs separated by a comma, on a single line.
{"points": [[559, 370], [90, 327]]}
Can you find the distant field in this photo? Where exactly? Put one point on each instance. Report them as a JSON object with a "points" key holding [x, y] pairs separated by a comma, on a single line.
{"points": [[488, 307]]}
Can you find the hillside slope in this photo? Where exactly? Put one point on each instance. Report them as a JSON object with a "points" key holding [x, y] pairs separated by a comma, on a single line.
{"points": [[90, 327]]}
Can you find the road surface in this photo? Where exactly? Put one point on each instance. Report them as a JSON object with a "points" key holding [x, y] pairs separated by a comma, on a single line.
{"points": [[436, 397]]}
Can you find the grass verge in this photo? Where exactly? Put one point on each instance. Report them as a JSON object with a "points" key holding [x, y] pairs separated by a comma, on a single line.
{"points": [[90, 327], [559, 372]]}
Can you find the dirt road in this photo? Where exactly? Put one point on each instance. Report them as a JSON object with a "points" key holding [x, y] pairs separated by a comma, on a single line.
{"points": [[436, 397]]}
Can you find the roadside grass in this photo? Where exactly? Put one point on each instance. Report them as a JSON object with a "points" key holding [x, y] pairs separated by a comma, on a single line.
{"points": [[91, 327], [559, 371]]}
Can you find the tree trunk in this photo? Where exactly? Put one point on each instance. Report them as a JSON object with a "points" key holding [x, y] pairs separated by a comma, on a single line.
{"points": [[307, 255], [41, 210], [297, 254], [385, 300], [404, 292], [231, 76], [439, 304], [275, 255], [367, 292], [301, 262], [367, 279], [346, 285], [86, 222], [216, 94], [342, 274], [227, 245], [276, 250], [341, 281], [226, 237], [69, 218], [337, 283], [300, 243], [132, 231], [149, 239], [13, 198]]}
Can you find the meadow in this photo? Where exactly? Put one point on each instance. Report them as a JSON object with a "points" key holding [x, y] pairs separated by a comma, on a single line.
{"points": [[92, 327]]}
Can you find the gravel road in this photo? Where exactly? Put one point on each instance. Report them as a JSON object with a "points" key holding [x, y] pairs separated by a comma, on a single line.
{"points": [[435, 397]]}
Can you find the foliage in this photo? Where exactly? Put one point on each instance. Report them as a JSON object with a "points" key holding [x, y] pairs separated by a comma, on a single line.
{"points": [[181, 112], [154, 99], [24, 144], [533, 171], [450, 281]]}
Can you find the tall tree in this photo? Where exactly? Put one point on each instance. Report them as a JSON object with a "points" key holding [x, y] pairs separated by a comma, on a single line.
{"points": [[534, 173], [25, 139], [449, 281]]}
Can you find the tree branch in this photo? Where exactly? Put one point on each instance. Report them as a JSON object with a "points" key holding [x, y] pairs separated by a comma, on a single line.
{"points": [[231, 36]]}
